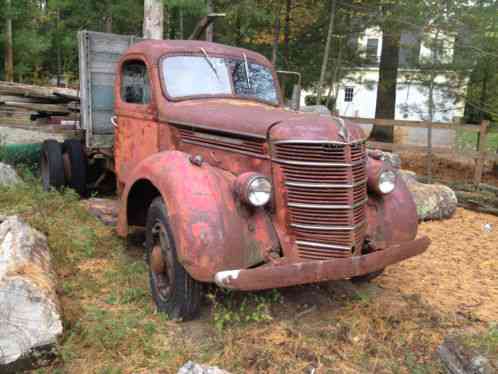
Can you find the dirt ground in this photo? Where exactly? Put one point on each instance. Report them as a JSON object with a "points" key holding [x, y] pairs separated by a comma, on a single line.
{"points": [[459, 272], [448, 168]]}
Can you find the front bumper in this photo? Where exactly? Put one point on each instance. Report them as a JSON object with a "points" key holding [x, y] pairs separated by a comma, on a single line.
{"points": [[278, 276]]}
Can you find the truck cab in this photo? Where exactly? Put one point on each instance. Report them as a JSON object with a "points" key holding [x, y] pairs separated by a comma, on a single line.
{"points": [[231, 187]]}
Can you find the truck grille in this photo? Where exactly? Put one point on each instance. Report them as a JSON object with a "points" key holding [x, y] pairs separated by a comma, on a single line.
{"points": [[326, 186]]}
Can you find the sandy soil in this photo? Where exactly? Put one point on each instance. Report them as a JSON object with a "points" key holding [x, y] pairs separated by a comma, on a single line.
{"points": [[459, 272]]}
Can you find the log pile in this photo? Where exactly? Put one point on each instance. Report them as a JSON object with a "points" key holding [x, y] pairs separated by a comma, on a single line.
{"points": [[22, 104]]}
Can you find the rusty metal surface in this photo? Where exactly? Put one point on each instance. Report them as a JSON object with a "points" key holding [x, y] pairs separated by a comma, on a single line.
{"points": [[211, 229], [318, 166], [267, 277]]}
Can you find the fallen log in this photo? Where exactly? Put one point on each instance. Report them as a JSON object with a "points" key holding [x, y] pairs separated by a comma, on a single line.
{"points": [[459, 359], [433, 201], [30, 319]]}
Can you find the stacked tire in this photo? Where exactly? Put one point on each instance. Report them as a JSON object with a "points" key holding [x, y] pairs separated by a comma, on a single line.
{"points": [[64, 164]]}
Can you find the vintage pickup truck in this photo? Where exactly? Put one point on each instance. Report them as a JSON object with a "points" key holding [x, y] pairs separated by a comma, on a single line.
{"points": [[230, 186]]}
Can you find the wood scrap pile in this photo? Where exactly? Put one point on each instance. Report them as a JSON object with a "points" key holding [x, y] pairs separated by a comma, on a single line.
{"points": [[22, 104]]}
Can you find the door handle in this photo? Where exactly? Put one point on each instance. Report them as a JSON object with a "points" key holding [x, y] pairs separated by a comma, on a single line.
{"points": [[114, 122]]}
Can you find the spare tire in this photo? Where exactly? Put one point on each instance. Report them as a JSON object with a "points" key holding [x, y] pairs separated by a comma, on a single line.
{"points": [[79, 165], [52, 165]]}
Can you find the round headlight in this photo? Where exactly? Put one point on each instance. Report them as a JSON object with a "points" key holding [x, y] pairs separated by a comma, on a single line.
{"points": [[258, 191], [387, 181]]}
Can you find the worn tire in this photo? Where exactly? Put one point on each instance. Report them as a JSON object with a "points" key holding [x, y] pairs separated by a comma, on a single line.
{"points": [[52, 165], [367, 277], [79, 166], [181, 298]]}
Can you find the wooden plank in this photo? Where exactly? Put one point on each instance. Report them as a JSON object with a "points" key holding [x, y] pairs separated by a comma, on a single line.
{"points": [[482, 152], [414, 124], [49, 108], [489, 156], [18, 89]]}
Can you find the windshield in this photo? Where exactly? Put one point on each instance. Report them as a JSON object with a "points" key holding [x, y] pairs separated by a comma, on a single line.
{"points": [[187, 76]]}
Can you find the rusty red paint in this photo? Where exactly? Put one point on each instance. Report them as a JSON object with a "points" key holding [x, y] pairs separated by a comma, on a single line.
{"points": [[322, 221]]}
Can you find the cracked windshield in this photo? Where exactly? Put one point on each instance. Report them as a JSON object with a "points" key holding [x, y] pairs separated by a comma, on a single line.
{"points": [[187, 76]]}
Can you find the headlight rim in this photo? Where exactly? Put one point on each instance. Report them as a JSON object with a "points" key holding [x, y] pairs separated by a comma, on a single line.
{"points": [[245, 188], [379, 180]]}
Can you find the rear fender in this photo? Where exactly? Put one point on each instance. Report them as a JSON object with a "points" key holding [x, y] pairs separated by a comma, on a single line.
{"points": [[212, 230]]}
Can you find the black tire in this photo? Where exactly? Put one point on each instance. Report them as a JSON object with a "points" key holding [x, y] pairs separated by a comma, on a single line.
{"points": [[52, 165], [79, 166], [174, 291], [367, 277]]}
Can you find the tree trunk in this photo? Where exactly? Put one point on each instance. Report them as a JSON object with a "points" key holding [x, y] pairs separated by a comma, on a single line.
{"points": [[210, 29], [276, 37], [9, 49], [386, 90], [59, 49], [181, 24], [153, 19], [288, 11], [327, 52]]}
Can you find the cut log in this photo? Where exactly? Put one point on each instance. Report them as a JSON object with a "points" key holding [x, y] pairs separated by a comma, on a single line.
{"points": [[460, 360], [30, 319], [433, 201], [194, 368]]}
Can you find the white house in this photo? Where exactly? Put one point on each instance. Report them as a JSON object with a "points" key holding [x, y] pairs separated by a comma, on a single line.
{"points": [[357, 92]]}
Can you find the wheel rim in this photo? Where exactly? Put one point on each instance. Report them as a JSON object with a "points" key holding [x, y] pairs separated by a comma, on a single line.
{"points": [[161, 262]]}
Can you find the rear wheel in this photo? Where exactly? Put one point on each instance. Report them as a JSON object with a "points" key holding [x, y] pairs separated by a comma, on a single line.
{"points": [[52, 165], [77, 166], [174, 291]]}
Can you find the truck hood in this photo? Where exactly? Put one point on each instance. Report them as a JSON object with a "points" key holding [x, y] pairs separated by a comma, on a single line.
{"points": [[254, 119]]}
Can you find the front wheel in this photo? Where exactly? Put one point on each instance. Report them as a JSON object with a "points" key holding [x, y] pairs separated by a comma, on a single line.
{"points": [[174, 291]]}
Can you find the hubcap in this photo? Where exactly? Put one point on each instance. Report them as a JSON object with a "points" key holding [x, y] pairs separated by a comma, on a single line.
{"points": [[161, 262]]}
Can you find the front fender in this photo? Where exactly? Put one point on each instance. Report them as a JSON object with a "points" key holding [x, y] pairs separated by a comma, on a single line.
{"points": [[212, 230], [392, 218]]}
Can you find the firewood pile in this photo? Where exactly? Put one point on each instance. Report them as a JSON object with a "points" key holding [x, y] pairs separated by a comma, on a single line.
{"points": [[22, 104]]}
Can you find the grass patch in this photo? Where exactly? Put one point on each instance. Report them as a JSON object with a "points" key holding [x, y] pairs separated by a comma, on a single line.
{"points": [[111, 325], [467, 141]]}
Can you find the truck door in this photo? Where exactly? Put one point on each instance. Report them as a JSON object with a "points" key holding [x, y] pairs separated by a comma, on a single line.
{"points": [[136, 117]]}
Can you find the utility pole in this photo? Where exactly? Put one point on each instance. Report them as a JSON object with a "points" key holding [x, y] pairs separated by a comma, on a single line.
{"points": [[153, 19], [210, 29], [9, 49], [327, 51]]}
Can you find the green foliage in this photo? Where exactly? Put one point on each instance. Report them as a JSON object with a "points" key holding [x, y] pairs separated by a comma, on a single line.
{"points": [[231, 308]]}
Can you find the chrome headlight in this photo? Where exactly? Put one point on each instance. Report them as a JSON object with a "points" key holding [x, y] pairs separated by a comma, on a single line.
{"points": [[387, 181], [254, 189]]}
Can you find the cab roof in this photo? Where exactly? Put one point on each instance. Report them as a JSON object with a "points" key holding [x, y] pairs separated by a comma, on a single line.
{"points": [[153, 50]]}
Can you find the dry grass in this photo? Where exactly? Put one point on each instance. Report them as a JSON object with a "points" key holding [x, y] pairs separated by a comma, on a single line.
{"points": [[111, 325]]}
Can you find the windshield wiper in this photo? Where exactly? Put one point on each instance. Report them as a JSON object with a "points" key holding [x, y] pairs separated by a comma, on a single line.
{"points": [[208, 59], [247, 71]]}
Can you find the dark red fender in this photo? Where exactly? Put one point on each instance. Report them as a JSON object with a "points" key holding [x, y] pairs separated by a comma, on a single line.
{"points": [[212, 230], [392, 218]]}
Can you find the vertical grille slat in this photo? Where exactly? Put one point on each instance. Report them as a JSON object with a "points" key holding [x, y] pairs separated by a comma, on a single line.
{"points": [[326, 193]]}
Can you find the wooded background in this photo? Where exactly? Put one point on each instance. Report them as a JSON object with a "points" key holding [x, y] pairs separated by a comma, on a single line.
{"points": [[38, 41]]}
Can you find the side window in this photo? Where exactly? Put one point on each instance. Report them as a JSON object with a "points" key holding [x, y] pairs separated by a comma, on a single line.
{"points": [[135, 85]]}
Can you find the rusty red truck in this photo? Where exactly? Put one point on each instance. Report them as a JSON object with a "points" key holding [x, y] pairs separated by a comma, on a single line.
{"points": [[231, 187]]}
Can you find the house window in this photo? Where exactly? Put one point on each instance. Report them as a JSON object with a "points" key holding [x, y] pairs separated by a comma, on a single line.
{"points": [[135, 86], [348, 94], [372, 50]]}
